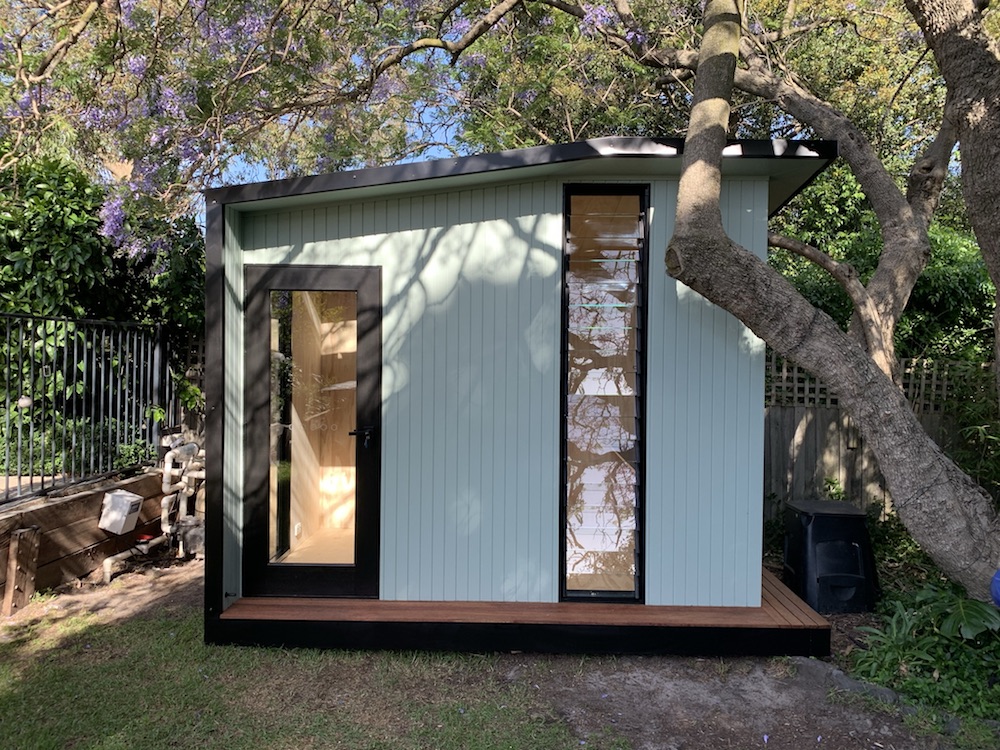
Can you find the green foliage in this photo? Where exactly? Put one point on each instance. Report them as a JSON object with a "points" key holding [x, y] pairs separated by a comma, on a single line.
{"points": [[191, 396], [59, 264], [938, 648], [834, 490], [515, 96], [833, 215], [949, 312], [134, 454], [956, 616], [54, 444], [902, 565], [975, 445], [54, 257]]}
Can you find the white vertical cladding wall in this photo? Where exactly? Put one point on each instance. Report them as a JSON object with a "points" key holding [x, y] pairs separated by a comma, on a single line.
{"points": [[705, 425], [471, 346]]}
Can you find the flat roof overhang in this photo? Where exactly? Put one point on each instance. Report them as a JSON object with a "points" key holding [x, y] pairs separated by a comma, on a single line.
{"points": [[789, 166]]}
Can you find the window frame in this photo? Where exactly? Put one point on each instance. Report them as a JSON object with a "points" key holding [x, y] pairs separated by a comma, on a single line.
{"points": [[637, 595]]}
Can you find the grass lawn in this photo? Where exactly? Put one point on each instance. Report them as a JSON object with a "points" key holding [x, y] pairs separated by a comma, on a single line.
{"points": [[151, 682], [124, 666]]}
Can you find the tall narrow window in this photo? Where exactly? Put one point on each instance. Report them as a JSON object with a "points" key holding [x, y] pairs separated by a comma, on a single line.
{"points": [[602, 408]]}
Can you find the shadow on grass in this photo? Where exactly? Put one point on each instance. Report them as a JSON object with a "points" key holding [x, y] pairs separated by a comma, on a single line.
{"points": [[132, 670]]}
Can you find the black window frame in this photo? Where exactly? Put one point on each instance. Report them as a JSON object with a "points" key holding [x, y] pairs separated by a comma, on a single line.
{"points": [[637, 596]]}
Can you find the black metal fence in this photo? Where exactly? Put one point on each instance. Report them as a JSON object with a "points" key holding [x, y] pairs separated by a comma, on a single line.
{"points": [[80, 399]]}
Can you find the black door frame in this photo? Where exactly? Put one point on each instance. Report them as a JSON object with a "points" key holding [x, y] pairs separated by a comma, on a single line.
{"points": [[260, 576]]}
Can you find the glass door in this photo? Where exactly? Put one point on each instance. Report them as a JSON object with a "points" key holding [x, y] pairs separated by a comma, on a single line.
{"points": [[312, 441]]}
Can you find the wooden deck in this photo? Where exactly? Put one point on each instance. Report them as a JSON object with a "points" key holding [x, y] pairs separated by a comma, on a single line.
{"points": [[784, 624]]}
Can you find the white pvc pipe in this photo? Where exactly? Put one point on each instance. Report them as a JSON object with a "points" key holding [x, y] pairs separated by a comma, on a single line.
{"points": [[165, 505], [183, 455], [109, 562]]}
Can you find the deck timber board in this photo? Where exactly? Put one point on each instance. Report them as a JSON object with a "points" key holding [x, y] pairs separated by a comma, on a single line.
{"points": [[782, 624]]}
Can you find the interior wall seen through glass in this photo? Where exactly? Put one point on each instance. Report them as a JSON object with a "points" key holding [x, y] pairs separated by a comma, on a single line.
{"points": [[314, 343]]}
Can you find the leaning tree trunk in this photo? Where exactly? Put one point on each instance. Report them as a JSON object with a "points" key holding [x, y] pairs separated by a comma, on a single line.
{"points": [[970, 63], [951, 517]]}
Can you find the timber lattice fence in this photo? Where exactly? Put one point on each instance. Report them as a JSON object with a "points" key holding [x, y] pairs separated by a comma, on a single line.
{"points": [[810, 442]]}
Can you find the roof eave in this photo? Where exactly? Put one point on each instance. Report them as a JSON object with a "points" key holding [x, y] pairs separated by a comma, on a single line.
{"points": [[811, 158]]}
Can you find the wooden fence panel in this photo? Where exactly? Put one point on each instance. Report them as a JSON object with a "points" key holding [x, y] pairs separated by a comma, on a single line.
{"points": [[809, 440], [805, 447]]}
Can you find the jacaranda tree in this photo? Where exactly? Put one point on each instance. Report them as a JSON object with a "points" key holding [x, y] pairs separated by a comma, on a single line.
{"points": [[165, 97]]}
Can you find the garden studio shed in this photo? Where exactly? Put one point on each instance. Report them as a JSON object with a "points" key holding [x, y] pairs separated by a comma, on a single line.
{"points": [[460, 404]]}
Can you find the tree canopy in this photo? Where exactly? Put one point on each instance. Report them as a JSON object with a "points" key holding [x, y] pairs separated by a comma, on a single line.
{"points": [[161, 98], [70, 251]]}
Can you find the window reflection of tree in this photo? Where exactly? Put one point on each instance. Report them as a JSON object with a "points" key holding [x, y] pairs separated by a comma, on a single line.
{"points": [[602, 284]]}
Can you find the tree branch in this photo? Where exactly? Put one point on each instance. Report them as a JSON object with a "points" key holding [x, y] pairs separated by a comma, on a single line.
{"points": [[928, 173], [872, 323], [699, 217], [44, 67]]}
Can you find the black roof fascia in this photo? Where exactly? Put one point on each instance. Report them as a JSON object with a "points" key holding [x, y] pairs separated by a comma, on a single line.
{"points": [[507, 160]]}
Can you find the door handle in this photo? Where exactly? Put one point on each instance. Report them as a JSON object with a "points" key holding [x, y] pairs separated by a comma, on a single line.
{"points": [[365, 432]]}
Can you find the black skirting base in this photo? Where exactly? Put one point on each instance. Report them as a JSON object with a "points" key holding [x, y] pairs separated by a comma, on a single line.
{"points": [[538, 638]]}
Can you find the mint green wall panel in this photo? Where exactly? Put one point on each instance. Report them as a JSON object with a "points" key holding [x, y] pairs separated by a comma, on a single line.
{"points": [[704, 444], [471, 393], [471, 337]]}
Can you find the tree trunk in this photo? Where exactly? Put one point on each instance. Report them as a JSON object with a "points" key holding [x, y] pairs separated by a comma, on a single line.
{"points": [[947, 513], [970, 63]]}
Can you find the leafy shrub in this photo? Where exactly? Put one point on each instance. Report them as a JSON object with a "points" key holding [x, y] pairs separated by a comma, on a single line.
{"points": [[938, 648], [55, 257], [900, 562], [134, 454], [972, 407]]}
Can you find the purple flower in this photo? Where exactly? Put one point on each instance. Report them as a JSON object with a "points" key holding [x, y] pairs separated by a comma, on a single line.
{"points": [[594, 17], [172, 103], [189, 150], [158, 245], [474, 60], [127, 8], [412, 7], [527, 96], [635, 36], [136, 65], [385, 88], [460, 27], [253, 24], [134, 248], [113, 220], [159, 135]]}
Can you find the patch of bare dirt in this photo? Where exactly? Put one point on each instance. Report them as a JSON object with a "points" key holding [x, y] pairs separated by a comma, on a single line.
{"points": [[661, 703], [654, 703], [149, 587]]}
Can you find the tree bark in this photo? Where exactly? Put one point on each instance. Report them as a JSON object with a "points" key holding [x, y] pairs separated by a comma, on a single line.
{"points": [[947, 513], [970, 63], [903, 222]]}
